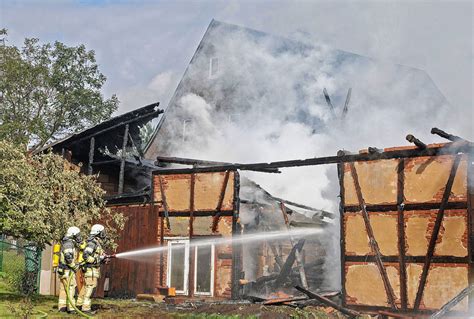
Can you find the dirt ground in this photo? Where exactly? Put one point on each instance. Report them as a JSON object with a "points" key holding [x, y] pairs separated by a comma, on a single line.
{"points": [[11, 306]]}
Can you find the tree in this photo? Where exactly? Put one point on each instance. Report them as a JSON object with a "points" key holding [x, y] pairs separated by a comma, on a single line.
{"points": [[49, 91], [41, 196]]}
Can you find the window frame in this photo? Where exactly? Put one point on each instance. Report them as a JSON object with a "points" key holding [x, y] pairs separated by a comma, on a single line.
{"points": [[216, 73], [185, 290], [211, 290]]}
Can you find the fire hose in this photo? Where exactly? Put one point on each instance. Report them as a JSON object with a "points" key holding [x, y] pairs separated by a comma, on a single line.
{"points": [[66, 287], [71, 302]]}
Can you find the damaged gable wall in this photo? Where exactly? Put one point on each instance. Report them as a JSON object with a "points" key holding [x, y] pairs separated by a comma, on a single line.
{"points": [[403, 198]]}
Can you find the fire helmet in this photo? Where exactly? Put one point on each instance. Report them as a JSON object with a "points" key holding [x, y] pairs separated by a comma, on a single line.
{"points": [[73, 231], [98, 230]]}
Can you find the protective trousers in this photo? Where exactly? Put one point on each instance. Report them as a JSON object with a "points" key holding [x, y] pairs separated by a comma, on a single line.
{"points": [[91, 277], [63, 302]]}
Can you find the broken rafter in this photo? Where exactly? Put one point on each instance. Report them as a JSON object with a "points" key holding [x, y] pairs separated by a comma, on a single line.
{"points": [[412, 139], [446, 135], [346, 105], [299, 260], [451, 148], [322, 212], [435, 233], [327, 302], [285, 270], [452, 303], [328, 101], [373, 243], [279, 301], [197, 162], [278, 259], [275, 252], [281, 200]]}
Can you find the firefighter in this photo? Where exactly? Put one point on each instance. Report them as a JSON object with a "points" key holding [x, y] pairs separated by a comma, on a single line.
{"points": [[67, 263], [93, 256]]}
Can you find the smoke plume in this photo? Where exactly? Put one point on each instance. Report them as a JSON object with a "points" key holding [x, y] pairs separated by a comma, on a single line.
{"points": [[265, 102]]}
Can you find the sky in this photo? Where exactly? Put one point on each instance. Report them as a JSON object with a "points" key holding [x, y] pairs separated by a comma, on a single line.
{"points": [[143, 47]]}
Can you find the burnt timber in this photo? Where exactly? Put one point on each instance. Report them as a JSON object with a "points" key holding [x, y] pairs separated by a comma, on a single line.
{"points": [[160, 160], [330, 303], [436, 150]]}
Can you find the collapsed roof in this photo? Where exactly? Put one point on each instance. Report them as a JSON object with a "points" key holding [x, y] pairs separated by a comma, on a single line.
{"points": [[108, 135]]}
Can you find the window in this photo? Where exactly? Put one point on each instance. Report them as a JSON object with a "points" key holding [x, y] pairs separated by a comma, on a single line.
{"points": [[186, 123], [204, 270], [178, 261], [213, 67]]}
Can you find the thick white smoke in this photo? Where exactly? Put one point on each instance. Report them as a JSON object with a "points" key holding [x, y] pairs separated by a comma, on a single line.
{"points": [[265, 103], [268, 92]]}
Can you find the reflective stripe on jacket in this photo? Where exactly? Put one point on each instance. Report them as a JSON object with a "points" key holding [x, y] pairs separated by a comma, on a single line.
{"points": [[68, 254], [92, 252]]}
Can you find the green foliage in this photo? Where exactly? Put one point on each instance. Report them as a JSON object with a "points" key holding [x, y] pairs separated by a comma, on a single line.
{"points": [[40, 197], [146, 133], [48, 91]]}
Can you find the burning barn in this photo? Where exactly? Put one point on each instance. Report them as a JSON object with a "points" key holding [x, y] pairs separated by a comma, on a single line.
{"points": [[174, 208], [406, 224], [405, 213]]}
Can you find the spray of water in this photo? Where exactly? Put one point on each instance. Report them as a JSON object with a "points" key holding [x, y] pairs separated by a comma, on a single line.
{"points": [[239, 239]]}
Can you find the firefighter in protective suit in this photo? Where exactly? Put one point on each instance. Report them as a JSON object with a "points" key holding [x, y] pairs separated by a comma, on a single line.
{"points": [[67, 263], [93, 256]]}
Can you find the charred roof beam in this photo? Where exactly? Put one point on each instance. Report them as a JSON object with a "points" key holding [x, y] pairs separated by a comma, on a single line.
{"points": [[450, 148], [149, 115], [203, 163], [448, 136]]}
